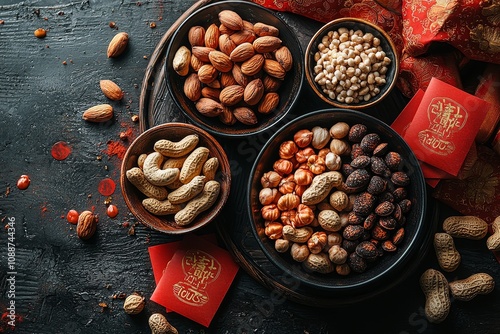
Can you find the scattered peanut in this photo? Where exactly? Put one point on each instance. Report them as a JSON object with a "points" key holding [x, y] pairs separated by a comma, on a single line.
{"points": [[436, 291], [134, 304], [493, 241], [159, 325], [468, 227], [447, 255], [468, 288]]}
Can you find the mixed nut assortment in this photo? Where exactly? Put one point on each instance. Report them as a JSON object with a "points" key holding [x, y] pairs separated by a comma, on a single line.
{"points": [[336, 198], [233, 70], [177, 179], [351, 65]]}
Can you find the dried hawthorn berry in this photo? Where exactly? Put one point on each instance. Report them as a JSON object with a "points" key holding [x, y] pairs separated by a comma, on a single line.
{"points": [[353, 232], [369, 142], [384, 208], [393, 160], [398, 236], [388, 246], [367, 250], [387, 223], [400, 179], [356, 263], [356, 151], [379, 167], [381, 149], [357, 132], [349, 245], [359, 178], [377, 185], [400, 194], [354, 219], [405, 205], [370, 221], [361, 161], [347, 169], [363, 204], [379, 233], [398, 214]]}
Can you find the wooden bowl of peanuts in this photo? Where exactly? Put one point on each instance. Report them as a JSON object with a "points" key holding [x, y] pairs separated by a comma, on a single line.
{"points": [[337, 200], [234, 68], [351, 63], [175, 178]]}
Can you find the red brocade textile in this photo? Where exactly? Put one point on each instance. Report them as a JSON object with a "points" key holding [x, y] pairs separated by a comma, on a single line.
{"points": [[419, 29]]}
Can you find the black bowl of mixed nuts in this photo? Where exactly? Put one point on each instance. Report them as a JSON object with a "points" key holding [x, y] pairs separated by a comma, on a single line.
{"points": [[234, 68], [351, 63], [337, 199]]}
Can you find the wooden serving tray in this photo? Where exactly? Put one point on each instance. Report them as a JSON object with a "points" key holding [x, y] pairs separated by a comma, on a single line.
{"points": [[233, 226]]}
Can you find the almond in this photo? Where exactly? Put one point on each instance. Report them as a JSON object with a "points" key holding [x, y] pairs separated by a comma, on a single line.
{"points": [[242, 52], [271, 84], [274, 69], [220, 61], [226, 45], [284, 57], [87, 225], [227, 116], [182, 61], [253, 92], [231, 19], [214, 84], [266, 44], [207, 73], [196, 63], [242, 36], [245, 115], [201, 52], [99, 113], [211, 93], [227, 79], [268, 103], [212, 36], [231, 95], [253, 65], [262, 29], [192, 87], [196, 36], [238, 76], [117, 45], [209, 107], [225, 30], [111, 90]]}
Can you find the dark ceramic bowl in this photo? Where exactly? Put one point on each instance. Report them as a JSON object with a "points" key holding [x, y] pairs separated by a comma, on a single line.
{"points": [[387, 269], [288, 91], [144, 144], [355, 24]]}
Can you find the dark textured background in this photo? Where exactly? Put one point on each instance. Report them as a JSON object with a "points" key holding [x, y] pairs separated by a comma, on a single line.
{"points": [[61, 280]]}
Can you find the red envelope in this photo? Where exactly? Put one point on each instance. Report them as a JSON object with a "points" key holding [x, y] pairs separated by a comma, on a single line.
{"points": [[196, 280], [445, 125]]}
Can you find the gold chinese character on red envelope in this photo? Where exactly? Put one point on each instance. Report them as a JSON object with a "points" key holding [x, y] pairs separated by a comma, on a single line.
{"points": [[444, 126], [446, 117]]}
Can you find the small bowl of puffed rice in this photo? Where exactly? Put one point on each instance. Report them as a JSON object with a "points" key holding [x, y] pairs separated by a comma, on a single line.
{"points": [[351, 63]]}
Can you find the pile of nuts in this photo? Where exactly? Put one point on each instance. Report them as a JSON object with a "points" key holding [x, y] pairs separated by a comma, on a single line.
{"points": [[350, 66], [336, 199], [438, 292], [233, 70], [177, 179]]}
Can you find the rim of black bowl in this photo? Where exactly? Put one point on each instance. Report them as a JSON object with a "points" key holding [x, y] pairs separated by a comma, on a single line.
{"points": [[214, 125], [381, 272], [367, 26]]}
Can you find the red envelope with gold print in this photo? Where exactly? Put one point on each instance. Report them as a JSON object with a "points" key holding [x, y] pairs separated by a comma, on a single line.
{"points": [[445, 125], [196, 280]]}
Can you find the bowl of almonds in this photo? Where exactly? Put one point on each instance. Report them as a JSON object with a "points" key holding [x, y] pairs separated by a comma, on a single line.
{"points": [[234, 68], [337, 199], [351, 63], [175, 178]]}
